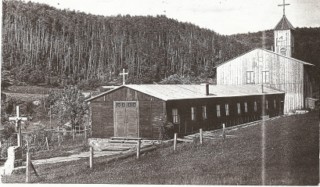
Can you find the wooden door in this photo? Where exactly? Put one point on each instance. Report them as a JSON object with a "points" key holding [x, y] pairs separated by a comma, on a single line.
{"points": [[119, 119], [126, 120]]}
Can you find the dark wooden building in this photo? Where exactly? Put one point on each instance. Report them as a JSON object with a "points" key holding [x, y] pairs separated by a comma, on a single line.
{"points": [[141, 110]]}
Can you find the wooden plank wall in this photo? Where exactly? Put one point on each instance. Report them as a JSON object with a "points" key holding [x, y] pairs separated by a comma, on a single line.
{"points": [[285, 74], [188, 126], [151, 112]]}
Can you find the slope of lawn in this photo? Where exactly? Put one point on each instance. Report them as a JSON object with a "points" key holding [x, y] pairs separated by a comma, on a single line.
{"points": [[291, 152]]}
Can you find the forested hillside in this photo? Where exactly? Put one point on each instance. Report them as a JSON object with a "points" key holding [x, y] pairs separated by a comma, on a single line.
{"points": [[42, 44]]}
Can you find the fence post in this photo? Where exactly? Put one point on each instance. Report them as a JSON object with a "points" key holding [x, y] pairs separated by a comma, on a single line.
{"points": [[175, 142], [85, 132], [224, 131], [28, 161], [201, 136], [47, 143], [138, 149], [91, 157], [58, 135], [72, 133]]}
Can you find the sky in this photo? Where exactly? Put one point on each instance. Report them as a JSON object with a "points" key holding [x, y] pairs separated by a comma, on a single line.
{"points": [[222, 16]]}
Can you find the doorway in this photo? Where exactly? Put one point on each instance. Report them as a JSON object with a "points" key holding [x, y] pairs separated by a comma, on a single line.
{"points": [[126, 119]]}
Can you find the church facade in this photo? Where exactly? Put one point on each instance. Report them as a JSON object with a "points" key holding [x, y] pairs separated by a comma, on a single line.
{"points": [[272, 69]]}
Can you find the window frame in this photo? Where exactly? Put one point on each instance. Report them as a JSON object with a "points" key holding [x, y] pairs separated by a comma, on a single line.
{"points": [[175, 116], [267, 104], [255, 106], [227, 109], [245, 107], [265, 77], [204, 112], [193, 113], [239, 108], [218, 109], [250, 76]]}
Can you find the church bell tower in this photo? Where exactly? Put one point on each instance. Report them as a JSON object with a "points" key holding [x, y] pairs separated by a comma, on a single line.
{"points": [[283, 37]]}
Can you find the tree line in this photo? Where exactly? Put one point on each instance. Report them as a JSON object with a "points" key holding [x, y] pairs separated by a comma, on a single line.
{"points": [[42, 44]]}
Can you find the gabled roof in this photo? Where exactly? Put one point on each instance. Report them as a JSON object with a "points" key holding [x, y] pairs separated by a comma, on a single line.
{"points": [[280, 55], [284, 24], [184, 91]]}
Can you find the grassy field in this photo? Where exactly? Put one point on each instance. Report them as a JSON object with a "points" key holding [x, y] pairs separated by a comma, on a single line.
{"points": [[290, 152]]}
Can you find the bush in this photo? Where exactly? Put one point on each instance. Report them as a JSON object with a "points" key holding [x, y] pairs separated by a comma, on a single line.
{"points": [[166, 130]]}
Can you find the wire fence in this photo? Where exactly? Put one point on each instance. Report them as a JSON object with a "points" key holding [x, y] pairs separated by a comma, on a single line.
{"points": [[46, 139]]}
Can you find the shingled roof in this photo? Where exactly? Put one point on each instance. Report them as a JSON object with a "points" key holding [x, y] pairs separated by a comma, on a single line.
{"points": [[183, 91], [284, 24]]}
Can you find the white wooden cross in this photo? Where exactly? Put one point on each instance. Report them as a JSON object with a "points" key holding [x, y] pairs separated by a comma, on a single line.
{"points": [[284, 6], [124, 76], [18, 119]]}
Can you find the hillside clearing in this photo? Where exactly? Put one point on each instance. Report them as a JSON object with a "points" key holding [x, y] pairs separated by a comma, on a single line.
{"points": [[291, 158]]}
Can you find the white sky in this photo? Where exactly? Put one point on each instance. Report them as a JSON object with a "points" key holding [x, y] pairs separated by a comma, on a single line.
{"points": [[222, 16]]}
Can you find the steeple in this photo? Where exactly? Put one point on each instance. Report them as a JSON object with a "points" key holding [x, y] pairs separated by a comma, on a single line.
{"points": [[284, 24], [283, 37]]}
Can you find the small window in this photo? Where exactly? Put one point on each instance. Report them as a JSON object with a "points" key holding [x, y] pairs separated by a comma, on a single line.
{"points": [[227, 109], [193, 113], [204, 112], [265, 77], [274, 103], [239, 108], [218, 111], [118, 105], [255, 106], [175, 116], [267, 104], [131, 104], [245, 107], [250, 77]]}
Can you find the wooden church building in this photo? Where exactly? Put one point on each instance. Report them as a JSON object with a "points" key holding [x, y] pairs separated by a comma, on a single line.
{"points": [[142, 110], [272, 69]]}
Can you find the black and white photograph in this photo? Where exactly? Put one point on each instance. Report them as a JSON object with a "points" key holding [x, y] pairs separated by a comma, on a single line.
{"points": [[160, 92]]}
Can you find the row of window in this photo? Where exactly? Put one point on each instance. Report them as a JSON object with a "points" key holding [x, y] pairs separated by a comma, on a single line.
{"points": [[265, 77], [125, 104], [176, 117]]}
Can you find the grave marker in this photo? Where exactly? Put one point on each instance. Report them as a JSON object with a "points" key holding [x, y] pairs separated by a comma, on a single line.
{"points": [[18, 120]]}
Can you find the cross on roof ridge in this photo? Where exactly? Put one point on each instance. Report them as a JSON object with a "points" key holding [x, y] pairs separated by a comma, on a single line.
{"points": [[124, 76]]}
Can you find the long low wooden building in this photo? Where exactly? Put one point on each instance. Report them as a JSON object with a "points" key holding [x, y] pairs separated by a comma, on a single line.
{"points": [[142, 110]]}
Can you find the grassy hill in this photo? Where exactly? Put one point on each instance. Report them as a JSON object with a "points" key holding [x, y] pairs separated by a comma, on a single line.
{"points": [[291, 157]]}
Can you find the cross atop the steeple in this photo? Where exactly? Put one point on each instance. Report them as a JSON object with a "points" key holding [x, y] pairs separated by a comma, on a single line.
{"points": [[284, 6]]}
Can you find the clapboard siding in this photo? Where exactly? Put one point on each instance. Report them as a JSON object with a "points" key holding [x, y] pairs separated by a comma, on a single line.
{"points": [[285, 74]]}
